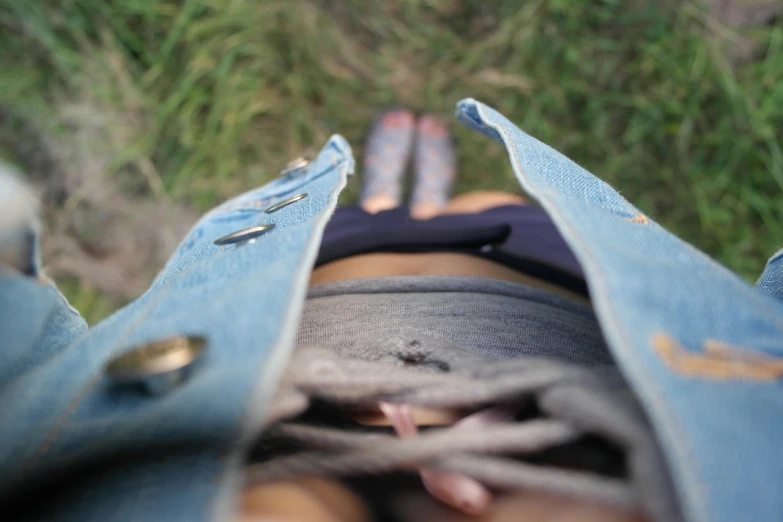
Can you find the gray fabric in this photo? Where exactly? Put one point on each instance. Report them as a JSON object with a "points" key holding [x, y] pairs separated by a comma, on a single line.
{"points": [[443, 341], [386, 454], [448, 322], [500, 473], [576, 400]]}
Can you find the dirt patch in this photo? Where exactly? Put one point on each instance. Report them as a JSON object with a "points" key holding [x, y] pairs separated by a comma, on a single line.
{"points": [[98, 227], [739, 15], [744, 13]]}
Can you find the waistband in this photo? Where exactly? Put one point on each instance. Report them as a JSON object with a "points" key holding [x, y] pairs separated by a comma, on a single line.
{"points": [[448, 321]]}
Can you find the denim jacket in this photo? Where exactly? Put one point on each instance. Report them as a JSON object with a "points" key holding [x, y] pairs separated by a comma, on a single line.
{"points": [[702, 350]]}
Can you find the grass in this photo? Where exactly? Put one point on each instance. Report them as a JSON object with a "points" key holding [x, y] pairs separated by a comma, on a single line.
{"points": [[200, 99]]}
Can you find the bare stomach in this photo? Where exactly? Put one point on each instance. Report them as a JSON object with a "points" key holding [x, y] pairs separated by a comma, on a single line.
{"points": [[429, 263]]}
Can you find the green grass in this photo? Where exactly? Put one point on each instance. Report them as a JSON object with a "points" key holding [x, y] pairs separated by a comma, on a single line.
{"points": [[201, 99]]}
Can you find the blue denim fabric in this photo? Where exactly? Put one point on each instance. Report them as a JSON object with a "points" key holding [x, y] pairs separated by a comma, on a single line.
{"points": [[120, 455], [701, 348]]}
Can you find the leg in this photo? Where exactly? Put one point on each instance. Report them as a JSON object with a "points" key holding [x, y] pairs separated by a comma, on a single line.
{"points": [[386, 156], [435, 168]]}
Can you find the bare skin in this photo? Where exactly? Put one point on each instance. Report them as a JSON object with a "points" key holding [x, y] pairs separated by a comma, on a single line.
{"points": [[315, 499], [435, 263]]}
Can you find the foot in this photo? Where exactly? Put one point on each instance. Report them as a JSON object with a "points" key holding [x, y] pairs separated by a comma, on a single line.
{"points": [[435, 168], [386, 156]]}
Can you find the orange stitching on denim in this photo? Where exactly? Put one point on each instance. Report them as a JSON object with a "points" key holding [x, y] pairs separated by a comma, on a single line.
{"points": [[718, 361], [639, 218]]}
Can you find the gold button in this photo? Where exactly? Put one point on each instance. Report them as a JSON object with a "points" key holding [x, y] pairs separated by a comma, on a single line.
{"points": [[294, 165], [159, 365]]}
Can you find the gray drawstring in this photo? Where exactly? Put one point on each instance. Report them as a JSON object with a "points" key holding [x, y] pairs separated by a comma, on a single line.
{"points": [[511, 474], [580, 401], [381, 454]]}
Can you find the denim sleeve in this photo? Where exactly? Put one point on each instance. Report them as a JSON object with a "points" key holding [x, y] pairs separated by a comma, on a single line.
{"points": [[36, 321], [771, 281]]}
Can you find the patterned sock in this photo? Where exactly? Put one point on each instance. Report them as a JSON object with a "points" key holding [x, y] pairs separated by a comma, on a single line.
{"points": [[435, 165], [386, 154]]}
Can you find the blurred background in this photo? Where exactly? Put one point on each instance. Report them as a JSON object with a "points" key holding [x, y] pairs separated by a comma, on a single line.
{"points": [[133, 117]]}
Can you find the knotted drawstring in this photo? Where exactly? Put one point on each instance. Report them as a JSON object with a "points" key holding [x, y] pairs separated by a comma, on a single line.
{"points": [[459, 465], [455, 489]]}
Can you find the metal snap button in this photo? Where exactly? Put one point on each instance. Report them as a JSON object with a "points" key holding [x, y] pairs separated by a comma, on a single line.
{"points": [[285, 203], [158, 366], [244, 235], [294, 165]]}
